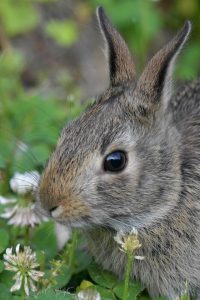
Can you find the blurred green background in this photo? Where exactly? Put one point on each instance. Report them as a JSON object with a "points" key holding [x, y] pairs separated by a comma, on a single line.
{"points": [[51, 63]]}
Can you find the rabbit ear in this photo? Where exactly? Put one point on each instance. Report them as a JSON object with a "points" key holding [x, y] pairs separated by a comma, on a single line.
{"points": [[121, 66], [155, 81]]}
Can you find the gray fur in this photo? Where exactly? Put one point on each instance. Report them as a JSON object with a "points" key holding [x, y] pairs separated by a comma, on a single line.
{"points": [[158, 192]]}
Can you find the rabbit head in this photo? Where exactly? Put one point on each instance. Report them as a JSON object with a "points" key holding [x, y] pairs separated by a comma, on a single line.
{"points": [[118, 165]]}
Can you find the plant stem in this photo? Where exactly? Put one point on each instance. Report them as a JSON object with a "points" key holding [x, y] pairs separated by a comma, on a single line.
{"points": [[72, 248], [22, 293], [130, 258], [14, 233], [27, 235], [42, 261]]}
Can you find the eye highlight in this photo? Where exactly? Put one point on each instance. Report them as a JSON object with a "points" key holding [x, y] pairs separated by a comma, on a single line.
{"points": [[115, 161]]}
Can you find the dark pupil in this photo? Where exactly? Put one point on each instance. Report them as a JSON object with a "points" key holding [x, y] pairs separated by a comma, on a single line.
{"points": [[115, 161]]}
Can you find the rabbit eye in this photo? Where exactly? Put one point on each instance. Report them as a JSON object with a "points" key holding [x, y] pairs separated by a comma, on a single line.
{"points": [[115, 161]]}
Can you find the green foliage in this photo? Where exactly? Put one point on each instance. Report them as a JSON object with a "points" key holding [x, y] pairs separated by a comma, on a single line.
{"points": [[44, 236], [65, 33], [29, 125], [4, 240], [103, 278], [17, 16], [1, 266], [135, 289], [110, 287], [64, 277], [187, 68], [5, 294]]}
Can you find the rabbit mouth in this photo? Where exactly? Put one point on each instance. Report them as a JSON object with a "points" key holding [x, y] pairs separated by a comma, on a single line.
{"points": [[72, 222], [81, 224], [113, 223]]}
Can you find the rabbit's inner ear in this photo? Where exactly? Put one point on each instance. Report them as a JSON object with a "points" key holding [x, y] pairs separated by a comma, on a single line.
{"points": [[155, 82], [121, 66]]}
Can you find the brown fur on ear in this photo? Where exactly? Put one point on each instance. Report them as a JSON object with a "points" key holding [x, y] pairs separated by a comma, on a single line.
{"points": [[155, 81], [121, 66]]}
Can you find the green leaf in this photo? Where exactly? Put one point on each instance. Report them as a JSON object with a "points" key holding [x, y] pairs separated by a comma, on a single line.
{"points": [[6, 278], [85, 284], [82, 260], [11, 63], [49, 294], [4, 239], [6, 281], [135, 288], [64, 277], [65, 33], [143, 297], [41, 152], [103, 278], [4, 292], [105, 293], [1, 266], [188, 67], [44, 239], [2, 161], [17, 16]]}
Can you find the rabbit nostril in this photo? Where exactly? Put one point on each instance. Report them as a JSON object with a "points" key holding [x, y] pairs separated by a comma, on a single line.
{"points": [[53, 208]]}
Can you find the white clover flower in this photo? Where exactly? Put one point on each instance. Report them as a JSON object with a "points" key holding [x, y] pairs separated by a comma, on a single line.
{"points": [[4, 200], [22, 213], [24, 264], [88, 294], [22, 216], [24, 183], [129, 242]]}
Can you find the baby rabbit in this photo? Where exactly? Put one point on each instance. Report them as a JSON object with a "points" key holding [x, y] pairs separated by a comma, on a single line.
{"points": [[133, 160]]}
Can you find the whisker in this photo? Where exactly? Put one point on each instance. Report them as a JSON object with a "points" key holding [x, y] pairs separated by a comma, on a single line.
{"points": [[18, 146], [29, 174], [29, 183], [29, 153]]}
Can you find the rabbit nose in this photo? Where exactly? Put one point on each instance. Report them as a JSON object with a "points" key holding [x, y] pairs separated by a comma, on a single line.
{"points": [[56, 211], [53, 209]]}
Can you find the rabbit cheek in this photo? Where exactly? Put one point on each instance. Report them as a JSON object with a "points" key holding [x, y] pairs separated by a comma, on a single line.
{"points": [[71, 209], [76, 210]]}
